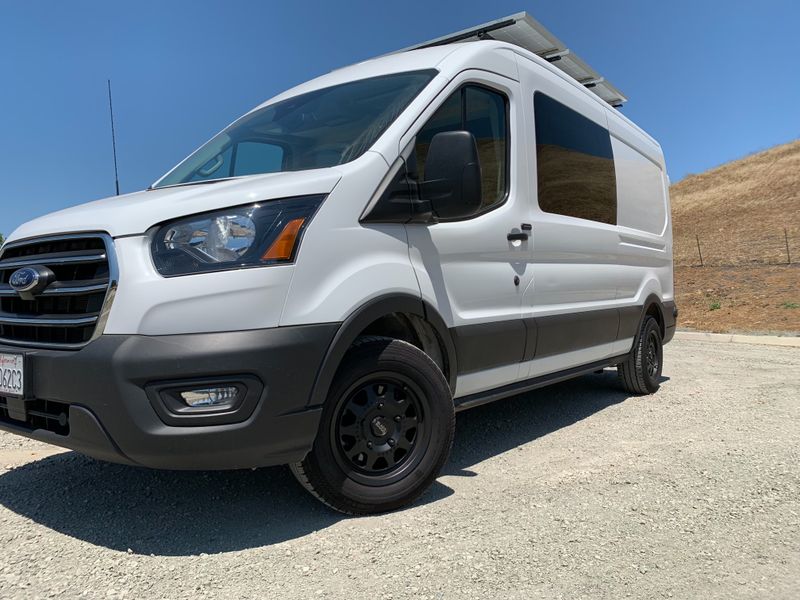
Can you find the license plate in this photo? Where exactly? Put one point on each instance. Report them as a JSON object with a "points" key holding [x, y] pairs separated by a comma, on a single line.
{"points": [[12, 375]]}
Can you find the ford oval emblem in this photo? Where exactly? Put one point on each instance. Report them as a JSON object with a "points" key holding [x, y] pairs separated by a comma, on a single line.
{"points": [[29, 281], [24, 280]]}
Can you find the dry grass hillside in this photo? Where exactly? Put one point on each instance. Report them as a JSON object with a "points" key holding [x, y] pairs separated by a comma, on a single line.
{"points": [[739, 212]]}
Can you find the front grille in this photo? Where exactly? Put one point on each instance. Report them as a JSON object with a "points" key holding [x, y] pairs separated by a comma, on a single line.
{"points": [[68, 313], [40, 414]]}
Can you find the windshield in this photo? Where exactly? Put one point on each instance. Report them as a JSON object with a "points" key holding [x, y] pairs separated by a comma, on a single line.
{"points": [[323, 128]]}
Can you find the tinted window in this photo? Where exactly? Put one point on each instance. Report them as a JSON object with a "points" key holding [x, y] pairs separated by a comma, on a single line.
{"points": [[575, 163], [217, 166], [483, 113], [318, 129], [255, 157]]}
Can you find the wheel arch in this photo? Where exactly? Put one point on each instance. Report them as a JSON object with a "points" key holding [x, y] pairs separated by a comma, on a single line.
{"points": [[419, 313], [653, 307]]}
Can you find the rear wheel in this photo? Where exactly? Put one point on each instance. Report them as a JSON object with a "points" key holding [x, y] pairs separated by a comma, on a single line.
{"points": [[386, 429], [641, 371]]}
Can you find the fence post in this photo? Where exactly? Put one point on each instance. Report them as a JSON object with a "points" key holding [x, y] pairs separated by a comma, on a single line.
{"points": [[786, 239], [698, 249]]}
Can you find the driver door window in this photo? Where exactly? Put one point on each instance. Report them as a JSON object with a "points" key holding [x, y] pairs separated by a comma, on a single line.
{"points": [[484, 113]]}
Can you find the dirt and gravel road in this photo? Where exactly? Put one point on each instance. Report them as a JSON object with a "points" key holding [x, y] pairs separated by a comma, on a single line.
{"points": [[576, 491]]}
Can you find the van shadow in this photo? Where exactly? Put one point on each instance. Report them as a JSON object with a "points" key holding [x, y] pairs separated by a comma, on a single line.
{"points": [[492, 429], [174, 513]]}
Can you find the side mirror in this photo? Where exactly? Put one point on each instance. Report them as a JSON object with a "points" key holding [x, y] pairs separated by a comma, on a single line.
{"points": [[452, 175]]}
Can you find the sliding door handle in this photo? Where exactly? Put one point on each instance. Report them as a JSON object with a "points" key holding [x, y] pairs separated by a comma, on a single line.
{"points": [[518, 237]]}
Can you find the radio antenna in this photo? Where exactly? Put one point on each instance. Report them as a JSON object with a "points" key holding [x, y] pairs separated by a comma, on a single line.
{"points": [[113, 137]]}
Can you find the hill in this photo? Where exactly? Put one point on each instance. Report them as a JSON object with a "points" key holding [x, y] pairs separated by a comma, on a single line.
{"points": [[746, 217], [758, 193]]}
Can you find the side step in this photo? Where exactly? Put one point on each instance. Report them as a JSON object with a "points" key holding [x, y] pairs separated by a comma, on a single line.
{"points": [[521, 387]]}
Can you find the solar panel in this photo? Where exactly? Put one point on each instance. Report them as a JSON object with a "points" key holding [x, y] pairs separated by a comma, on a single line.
{"points": [[526, 32]]}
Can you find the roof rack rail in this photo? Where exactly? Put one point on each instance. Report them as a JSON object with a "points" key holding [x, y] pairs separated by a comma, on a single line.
{"points": [[526, 32]]}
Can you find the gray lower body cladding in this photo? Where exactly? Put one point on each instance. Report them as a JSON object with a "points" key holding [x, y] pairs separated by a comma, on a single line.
{"points": [[496, 344]]}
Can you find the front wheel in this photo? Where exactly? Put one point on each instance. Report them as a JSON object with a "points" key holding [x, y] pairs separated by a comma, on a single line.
{"points": [[386, 429], [641, 371]]}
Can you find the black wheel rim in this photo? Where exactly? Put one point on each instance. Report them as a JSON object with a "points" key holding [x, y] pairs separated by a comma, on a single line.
{"points": [[380, 430], [652, 355]]}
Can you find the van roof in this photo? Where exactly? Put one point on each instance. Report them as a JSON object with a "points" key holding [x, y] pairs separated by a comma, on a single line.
{"points": [[526, 32]]}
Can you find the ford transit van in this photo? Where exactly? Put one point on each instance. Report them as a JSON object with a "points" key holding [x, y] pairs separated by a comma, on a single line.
{"points": [[329, 279]]}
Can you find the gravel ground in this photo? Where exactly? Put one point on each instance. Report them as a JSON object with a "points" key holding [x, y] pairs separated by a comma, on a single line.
{"points": [[576, 491]]}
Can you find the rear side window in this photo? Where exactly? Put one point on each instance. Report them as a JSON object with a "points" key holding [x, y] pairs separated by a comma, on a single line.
{"points": [[484, 113], [575, 164]]}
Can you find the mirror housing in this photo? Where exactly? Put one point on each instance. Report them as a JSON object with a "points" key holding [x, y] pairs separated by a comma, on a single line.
{"points": [[452, 175]]}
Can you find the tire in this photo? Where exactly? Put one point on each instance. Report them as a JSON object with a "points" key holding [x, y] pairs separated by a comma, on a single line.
{"points": [[641, 371], [386, 430]]}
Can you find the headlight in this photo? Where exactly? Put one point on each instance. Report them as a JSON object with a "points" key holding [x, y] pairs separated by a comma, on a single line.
{"points": [[255, 235]]}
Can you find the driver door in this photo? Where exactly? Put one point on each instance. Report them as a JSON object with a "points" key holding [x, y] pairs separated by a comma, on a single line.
{"points": [[474, 271]]}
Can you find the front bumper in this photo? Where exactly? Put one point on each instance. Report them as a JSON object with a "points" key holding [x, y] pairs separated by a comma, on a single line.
{"points": [[103, 389]]}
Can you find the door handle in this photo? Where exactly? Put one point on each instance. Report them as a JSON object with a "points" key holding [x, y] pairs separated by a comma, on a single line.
{"points": [[522, 235]]}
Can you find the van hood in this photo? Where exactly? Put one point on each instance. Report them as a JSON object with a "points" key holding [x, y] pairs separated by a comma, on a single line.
{"points": [[135, 213]]}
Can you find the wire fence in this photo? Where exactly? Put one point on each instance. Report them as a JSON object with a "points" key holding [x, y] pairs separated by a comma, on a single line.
{"points": [[780, 247]]}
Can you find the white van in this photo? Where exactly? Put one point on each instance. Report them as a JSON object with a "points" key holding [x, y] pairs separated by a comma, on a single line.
{"points": [[328, 280]]}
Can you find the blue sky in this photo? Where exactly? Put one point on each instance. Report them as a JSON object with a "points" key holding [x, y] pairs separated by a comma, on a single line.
{"points": [[711, 80]]}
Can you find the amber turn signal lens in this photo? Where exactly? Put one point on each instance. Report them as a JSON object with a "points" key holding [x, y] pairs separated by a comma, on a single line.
{"points": [[283, 246]]}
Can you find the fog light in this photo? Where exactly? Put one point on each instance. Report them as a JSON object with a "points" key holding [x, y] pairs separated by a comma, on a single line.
{"points": [[213, 396], [206, 401]]}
